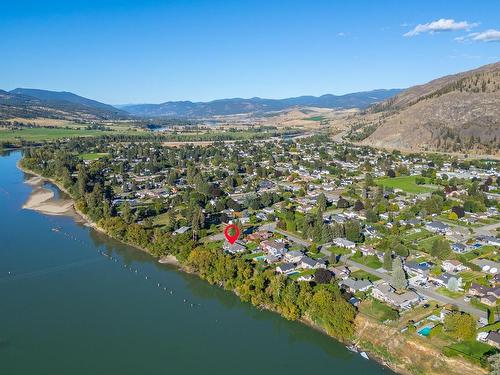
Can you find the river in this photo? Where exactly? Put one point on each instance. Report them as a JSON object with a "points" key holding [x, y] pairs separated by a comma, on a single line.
{"points": [[71, 302]]}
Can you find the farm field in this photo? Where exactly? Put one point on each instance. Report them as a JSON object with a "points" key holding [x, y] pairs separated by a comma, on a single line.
{"points": [[42, 134]]}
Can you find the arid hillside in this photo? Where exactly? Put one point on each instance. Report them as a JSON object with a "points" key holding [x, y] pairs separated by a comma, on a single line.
{"points": [[454, 113]]}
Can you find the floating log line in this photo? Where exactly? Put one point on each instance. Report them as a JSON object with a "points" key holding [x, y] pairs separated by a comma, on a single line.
{"points": [[11, 276]]}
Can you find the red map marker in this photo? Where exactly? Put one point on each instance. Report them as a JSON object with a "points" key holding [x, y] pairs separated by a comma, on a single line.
{"points": [[231, 238]]}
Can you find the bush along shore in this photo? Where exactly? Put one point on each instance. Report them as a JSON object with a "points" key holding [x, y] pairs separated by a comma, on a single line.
{"points": [[322, 306]]}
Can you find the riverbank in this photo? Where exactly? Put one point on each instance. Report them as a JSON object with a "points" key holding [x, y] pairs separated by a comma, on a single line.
{"points": [[38, 199], [42, 199], [399, 358]]}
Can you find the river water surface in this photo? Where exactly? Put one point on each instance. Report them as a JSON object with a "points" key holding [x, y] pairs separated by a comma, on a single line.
{"points": [[71, 302]]}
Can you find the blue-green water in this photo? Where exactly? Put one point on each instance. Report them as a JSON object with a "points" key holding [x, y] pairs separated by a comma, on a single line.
{"points": [[425, 331], [73, 304]]}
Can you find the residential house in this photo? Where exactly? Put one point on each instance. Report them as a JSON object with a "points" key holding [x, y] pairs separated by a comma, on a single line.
{"points": [[293, 256], [386, 293], [309, 263], [345, 243], [367, 250], [181, 230], [487, 266], [305, 278], [340, 272], [437, 227], [447, 280], [493, 339], [235, 248], [273, 247], [286, 268], [478, 290], [418, 268], [489, 300], [453, 266], [354, 286], [459, 248], [270, 259], [259, 236]]}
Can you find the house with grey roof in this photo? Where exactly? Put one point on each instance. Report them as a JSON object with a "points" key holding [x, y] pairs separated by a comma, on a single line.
{"points": [[437, 227], [343, 242], [293, 256], [354, 286], [285, 268], [309, 263], [386, 293], [235, 248]]}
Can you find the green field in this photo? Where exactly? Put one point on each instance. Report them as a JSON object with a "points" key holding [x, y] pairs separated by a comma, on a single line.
{"points": [[471, 348], [46, 134], [92, 156], [378, 310], [314, 118], [360, 275], [369, 261], [449, 293], [405, 183], [426, 244]]}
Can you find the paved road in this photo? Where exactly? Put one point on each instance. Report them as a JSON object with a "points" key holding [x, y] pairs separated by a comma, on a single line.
{"points": [[459, 302], [271, 227], [487, 230]]}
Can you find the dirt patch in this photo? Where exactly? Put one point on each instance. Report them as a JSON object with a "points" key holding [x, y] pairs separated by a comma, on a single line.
{"points": [[406, 354]]}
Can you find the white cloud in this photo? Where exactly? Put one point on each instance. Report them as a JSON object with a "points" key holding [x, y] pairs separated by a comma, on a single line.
{"points": [[490, 35], [439, 26], [341, 34]]}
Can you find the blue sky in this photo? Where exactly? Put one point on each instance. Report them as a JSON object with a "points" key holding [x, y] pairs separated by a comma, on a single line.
{"points": [[154, 51]]}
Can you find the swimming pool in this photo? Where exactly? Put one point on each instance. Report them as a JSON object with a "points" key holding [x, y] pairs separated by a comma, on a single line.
{"points": [[425, 331]]}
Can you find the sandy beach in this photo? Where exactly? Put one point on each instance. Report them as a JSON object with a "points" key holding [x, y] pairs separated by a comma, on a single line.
{"points": [[42, 199], [169, 259]]}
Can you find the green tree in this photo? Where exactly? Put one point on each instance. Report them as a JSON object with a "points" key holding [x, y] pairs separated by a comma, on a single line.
{"points": [[460, 325], [322, 202], [388, 259], [440, 248], [353, 231], [399, 280], [332, 312]]}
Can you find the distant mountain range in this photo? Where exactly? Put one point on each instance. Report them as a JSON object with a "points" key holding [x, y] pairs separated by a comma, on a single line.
{"points": [[453, 113], [257, 105], [31, 103]]}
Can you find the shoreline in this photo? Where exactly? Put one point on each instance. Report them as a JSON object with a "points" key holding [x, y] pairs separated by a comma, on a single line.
{"points": [[77, 214], [399, 368]]}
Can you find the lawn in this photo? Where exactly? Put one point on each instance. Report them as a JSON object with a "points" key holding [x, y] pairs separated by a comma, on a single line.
{"points": [[405, 183], [449, 293], [426, 244], [92, 156], [378, 310], [472, 276], [161, 219], [302, 273], [416, 236], [369, 261], [252, 255], [471, 348], [360, 275]]}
